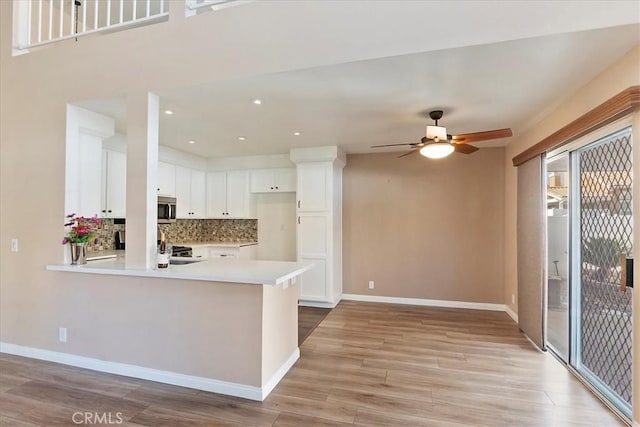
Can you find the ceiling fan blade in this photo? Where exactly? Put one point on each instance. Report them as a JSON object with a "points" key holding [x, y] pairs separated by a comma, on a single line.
{"points": [[465, 148], [481, 136], [414, 150], [394, 145]]}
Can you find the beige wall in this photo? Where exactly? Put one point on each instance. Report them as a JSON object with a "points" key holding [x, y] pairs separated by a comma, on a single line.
{"points": [[425, 229], [618, 77]]}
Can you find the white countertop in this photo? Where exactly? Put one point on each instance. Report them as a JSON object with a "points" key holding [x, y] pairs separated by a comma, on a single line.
{"points": [[212, 270], [219, 244]]}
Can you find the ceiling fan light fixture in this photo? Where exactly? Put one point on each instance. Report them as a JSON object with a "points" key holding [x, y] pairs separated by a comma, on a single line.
{"points": [[437, 133], [437, 150]]}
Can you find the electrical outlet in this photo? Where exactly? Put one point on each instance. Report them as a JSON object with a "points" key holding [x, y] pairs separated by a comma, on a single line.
{"points": [[14, 245], [62, 334], [371, 284], [513, 299]]}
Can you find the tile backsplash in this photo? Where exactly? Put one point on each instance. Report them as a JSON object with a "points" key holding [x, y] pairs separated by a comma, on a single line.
{"points": [[186, 231], [211, 230], [106, 236]]}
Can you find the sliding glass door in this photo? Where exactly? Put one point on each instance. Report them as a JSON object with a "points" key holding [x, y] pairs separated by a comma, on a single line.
{"points": [[558, 255], [602, 234], [589, 237]]}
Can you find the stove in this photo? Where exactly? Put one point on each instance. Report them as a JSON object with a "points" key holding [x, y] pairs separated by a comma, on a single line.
{"points": [[182, 251]]}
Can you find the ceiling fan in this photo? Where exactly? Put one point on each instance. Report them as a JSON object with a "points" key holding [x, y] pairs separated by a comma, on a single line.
{"points": [[438, 144]]}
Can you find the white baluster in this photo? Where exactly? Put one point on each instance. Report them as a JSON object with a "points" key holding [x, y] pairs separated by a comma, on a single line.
{"points": [[39, 21], [61, 18], [148, 8], [108, 13], [121, 10], [95, 15], [50, 19], [84, 16], [135, 12], [72, 29]]}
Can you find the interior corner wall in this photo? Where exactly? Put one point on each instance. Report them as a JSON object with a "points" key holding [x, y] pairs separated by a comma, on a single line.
{"points": [[421, 228], [616, 78]]}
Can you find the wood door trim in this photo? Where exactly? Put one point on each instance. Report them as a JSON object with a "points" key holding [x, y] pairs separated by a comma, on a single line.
{"points": [[614, 108]]}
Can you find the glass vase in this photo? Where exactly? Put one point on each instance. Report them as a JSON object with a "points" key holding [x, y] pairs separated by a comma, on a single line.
{"points": [[78, 253]]}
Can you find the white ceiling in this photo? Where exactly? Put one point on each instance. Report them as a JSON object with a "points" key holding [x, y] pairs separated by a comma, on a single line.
{"points": [[385, 101]]}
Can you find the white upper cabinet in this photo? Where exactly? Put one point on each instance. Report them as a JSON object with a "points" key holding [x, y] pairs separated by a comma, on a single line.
{"points": [[228, 194], [314, 181], [166, 179], [198, 193], [216, 194], [90, 169], [190, 193], [238, 194], [273, 180], [114, 199]]}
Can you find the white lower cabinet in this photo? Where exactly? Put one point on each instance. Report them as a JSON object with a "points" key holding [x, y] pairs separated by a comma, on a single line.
{"points": [[200, 251], [249, 252], [221, 251], [313, 283]]}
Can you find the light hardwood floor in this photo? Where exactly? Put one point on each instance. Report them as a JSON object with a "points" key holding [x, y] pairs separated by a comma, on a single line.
{"points": [[365, 364]]}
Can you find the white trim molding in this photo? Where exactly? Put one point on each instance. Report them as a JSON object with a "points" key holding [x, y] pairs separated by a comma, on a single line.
{"points": [[150, 374], [317, 304], [512, 314], [426, 302], [280, 373]]}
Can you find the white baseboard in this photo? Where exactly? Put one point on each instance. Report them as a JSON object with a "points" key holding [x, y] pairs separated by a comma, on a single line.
{"points": [[425, 302], [317, 304], [167, 377], [268, 387], [511, 313]]}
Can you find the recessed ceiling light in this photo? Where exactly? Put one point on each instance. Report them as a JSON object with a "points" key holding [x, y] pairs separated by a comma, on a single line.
{"points": [[191, 141], [168, 112], [297, 133], [257, 101], [242, 138]]}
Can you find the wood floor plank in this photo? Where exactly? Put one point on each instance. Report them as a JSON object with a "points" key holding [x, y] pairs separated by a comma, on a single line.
{"points": [[329, 410], [80, 400], [367, 364], [294, 420]]}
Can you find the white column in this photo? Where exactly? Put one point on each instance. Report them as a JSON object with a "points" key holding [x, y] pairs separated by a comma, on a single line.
{"points": [[21, 26], [142, 172]]}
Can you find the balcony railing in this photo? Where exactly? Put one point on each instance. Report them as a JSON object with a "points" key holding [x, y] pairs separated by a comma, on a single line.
{"points": [[40, 22]]}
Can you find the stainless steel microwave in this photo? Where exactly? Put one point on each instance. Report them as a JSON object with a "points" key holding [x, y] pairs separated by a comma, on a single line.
{"points": [[166, 210]]}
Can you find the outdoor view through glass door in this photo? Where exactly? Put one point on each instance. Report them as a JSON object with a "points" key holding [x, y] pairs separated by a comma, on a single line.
{"points": [[601, 230], [558, 255]]}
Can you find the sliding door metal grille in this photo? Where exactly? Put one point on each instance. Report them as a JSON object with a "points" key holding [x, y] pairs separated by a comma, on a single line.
{"points": [[606, 228]]}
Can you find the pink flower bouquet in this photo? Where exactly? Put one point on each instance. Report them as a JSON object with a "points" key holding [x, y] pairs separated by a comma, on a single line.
{"points": [[81, 229]]}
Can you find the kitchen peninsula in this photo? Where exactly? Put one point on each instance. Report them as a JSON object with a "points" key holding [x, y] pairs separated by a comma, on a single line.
{"points": [[222, 325]]}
